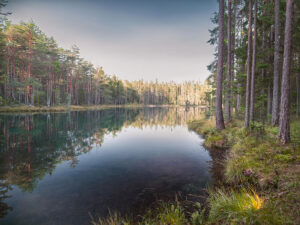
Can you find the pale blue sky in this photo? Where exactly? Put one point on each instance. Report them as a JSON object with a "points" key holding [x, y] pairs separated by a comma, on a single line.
{"points": [[134, 39]]}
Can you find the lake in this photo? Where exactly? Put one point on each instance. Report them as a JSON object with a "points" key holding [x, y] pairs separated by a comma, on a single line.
{"points": [[57, 168]]}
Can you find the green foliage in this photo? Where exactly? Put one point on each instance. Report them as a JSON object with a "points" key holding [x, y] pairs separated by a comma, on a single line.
{"points": [[198, 217]]}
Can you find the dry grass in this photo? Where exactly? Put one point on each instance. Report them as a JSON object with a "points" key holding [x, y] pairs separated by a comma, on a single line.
{"points": [[64, 108]]}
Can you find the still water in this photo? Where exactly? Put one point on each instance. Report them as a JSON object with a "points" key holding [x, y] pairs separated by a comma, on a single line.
{"points": [[57, 168]]}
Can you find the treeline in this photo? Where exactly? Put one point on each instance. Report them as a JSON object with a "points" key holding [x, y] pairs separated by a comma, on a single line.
{"points": [[257, 67], [35, 71]]}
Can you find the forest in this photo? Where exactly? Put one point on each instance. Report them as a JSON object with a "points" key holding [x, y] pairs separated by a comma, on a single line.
{"points": [[36, 72], [257, 66]]}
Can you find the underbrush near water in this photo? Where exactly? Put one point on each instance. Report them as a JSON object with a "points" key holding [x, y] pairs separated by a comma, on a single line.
{"points": [[256, 160]]}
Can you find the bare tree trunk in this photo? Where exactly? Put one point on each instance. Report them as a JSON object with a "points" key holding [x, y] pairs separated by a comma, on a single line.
{"points": [[275, 105], [263, 70], [252, 98], [298, 95], [284, 121], [269, 103], [29, 87], [248, 66], [228, 77], [219, 111], [232, 75], [238, 97]]}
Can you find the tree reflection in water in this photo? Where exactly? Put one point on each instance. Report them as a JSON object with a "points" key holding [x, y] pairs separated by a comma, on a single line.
{"points": [[31, 145]]}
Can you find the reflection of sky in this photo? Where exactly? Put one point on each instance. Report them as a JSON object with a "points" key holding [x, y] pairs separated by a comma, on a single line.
{"points": [[163, 160], [164, 39]]}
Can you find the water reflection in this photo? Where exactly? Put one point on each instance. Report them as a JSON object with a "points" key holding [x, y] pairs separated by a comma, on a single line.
{"points": [[60, 166]]}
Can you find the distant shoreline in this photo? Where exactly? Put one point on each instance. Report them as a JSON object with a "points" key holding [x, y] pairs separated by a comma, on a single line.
{"points": [[64, 108]]}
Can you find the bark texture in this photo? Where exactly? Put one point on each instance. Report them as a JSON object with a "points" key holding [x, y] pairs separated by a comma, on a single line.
{"points": [[229, 63], [248, 66], [284, 121], [219, 111], [275, 105], [253, 69]]}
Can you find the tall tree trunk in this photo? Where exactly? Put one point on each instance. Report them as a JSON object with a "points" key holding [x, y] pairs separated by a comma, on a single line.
{"points": [[275, 105], [219, 111], [248, 66], [269, 103], [252, 95], [284, 121], [228, 77], [298, 95], [30, 87], [6, 82], [263, 71], [232, 75]]}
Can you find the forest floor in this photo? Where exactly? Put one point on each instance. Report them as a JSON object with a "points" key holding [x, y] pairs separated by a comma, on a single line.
{"points": [[261, 176], [64, 108]]}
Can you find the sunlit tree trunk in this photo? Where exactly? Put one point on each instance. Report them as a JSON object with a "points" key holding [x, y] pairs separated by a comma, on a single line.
{"points": [[275, 105], [284, 121], [248, 65]]}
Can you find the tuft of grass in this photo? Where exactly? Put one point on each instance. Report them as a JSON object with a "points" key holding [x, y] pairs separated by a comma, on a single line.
{"points": [[112, 219], [169, 214], [164, 214], [242, 207]]}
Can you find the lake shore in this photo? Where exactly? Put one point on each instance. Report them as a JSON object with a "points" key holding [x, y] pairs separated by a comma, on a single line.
{"points": [[64, 108], [261, 176]]}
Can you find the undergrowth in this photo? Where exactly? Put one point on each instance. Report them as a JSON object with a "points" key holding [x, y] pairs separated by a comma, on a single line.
{"points": [[256, 159]]}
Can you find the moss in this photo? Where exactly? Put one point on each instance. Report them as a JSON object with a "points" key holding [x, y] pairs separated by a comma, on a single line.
{"points": [[284, 158]]}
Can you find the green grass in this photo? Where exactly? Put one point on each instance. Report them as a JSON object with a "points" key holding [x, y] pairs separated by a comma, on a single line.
{"points": [[240, 207], [258, 160], [164, 214]]}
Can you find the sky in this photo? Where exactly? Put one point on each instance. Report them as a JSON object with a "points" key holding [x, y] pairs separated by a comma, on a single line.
{"points": [[133, 39]]}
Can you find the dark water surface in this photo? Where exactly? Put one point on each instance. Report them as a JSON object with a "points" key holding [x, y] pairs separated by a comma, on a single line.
{"points": [[57, 168]]}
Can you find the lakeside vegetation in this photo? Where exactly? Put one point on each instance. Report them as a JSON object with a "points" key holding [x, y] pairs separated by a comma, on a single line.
{"points": [[64, 108], [255, 161]]}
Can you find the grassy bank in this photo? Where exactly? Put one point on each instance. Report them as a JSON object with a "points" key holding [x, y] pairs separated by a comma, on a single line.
{"points": [[263, 175], [64, 108]]}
